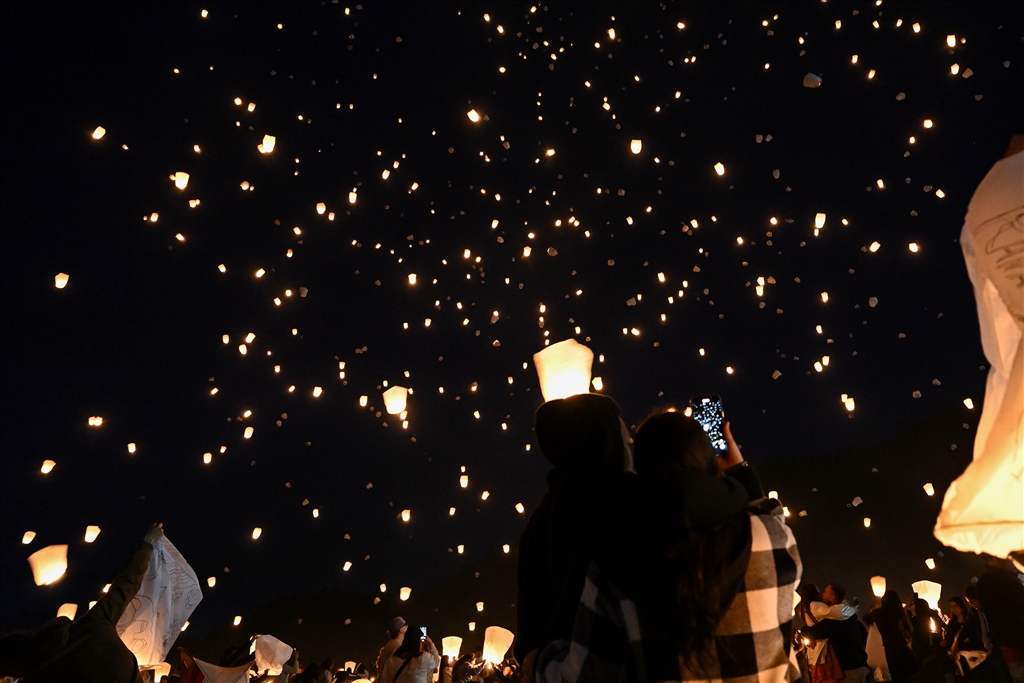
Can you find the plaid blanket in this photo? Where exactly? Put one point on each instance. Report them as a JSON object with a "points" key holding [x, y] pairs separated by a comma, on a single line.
{"points": [[611, 642]]}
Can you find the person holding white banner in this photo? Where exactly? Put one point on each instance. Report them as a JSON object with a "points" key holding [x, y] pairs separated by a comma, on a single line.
{"points": [[90, 649]]}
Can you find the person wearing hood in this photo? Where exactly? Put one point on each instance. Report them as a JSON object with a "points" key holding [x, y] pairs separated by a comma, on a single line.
{"points": [[90, 648]]}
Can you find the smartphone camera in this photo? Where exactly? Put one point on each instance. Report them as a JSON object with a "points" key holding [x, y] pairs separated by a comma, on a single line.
{"points": [[708, 412]]}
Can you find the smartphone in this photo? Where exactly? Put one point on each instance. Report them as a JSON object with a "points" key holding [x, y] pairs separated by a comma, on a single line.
{"points": [[423, 630], [707, 410]]}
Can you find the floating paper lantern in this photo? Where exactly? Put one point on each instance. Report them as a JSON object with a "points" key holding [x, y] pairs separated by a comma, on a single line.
{"points": [[497, 641], [464, 481], [248, 432], [406, 515], [404, 592], [91, 532], [450, 647], [131, 448], [69, 610], [49, 564], [60, 280], [519, 508], [720, 168], [28, 537], [635, 146], [473, 116], [48, 466], [928, 591], [506, 548], [268, 144], [967, 402], [929, 489], [383, 588], [480, 607], [346, 566], [812, 81], [321, 207], [867, 522], [237, 621], [878, 586], [819, 220], [930, 563], [597, 383], [472, 626], [181, 180], [256, 532], [317, 391], [207, 458], [564, 369], [352, 196], [99, 132], [395, 399], [212, 581], [951, 40]]}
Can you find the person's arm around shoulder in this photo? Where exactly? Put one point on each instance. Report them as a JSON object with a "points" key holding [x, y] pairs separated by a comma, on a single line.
{"points": [[123, 588]]}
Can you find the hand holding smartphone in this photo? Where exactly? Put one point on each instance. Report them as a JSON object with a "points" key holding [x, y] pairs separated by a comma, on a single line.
{"points": [[708, 411]]}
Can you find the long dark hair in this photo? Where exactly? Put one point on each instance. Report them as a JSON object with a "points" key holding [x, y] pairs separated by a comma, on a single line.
{"points": [[671, 446], [892, 616], [808, 593]]}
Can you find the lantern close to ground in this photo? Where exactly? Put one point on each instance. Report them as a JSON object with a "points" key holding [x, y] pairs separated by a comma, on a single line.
{"points": [[49, 564], [395, 399], [878, 586], [69, 610], [497, 641], [928, 591], [450, 647], [351, 666], [564, 369], [162, 670], [404, 592]]}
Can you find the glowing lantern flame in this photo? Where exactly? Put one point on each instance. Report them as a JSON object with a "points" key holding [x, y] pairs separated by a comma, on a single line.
{"points": [[60, 280], [878, 586], [212, 581], [450, 647], [564, 369], [867, 522], [480, 607], [395, 399], [49, 564], [497, 641]]}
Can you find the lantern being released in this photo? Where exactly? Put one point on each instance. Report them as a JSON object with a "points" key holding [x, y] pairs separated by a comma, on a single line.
{"points": [[878, 586], [497, 641], [928, 591], [564, 369], [395, 399], [49, 564], [450, 647]]}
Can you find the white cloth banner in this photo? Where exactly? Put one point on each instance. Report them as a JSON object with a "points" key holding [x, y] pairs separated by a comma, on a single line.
{"points": [[271, 654], [152, 620], [983, 510]]}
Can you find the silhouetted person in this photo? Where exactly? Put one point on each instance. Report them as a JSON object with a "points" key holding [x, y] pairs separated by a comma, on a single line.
{"points": [[896, 631], [88, 650], [413, 662], [396, 636], [847, 637]]}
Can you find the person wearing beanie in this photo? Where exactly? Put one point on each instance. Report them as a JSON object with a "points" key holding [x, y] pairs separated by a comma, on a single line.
{"points": [[396, 636]]}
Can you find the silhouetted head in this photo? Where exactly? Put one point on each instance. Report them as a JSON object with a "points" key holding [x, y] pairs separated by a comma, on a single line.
{"points": [[670, 444], [582, 431], [891, 601]]}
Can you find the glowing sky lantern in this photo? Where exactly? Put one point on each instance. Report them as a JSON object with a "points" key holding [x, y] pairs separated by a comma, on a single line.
{"points": [[878, 586], [268, 144], [635, 146], [28, 537], [564, 369], [99, 132], [497, 641], [248, 433], [480, 606], [212, 581], [928, 591], [819, 220], [395, 399], [951, 40], [520, 508], [317, 391], [406, 515], [321, 208], [464, 480], [597, 383], [49, 564], [68, 609], [812, 81], [60, 280], [181, 180], [237, 621], [473, 116], [720, 168], [450, 647], [48, 466], [930, 563], [91, 532], [867, 522], [969, 403], [256, 533], [929, 489], [352, 197], [131, 448], [404, 592]]}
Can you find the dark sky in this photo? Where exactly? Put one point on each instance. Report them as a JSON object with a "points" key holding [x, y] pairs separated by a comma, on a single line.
{"points": [[349, 92]]}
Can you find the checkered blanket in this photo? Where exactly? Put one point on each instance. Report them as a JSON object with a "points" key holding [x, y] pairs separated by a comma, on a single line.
{"points": [[611, 642]]}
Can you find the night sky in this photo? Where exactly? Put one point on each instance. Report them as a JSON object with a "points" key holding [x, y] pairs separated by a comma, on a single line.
{"points": [[651, 259]]}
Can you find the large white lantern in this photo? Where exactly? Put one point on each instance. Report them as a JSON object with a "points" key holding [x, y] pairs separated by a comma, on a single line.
{"points": [[929, 591], [395, 399], [49, 564], [564, 369], [878, 586], [450, 647], [497, 641]]}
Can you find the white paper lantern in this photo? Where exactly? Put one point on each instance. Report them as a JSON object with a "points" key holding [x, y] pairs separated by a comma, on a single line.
{"points": [[878, 586], [60, 280], [564, 369], [635, 146], [268, 144], [404, 592], [395, 399], [928, 591], [497, 641], [69, 610], [48, 466], [28, 537], [181, 180], [91, 532], [49, 564], [450, 647]]}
